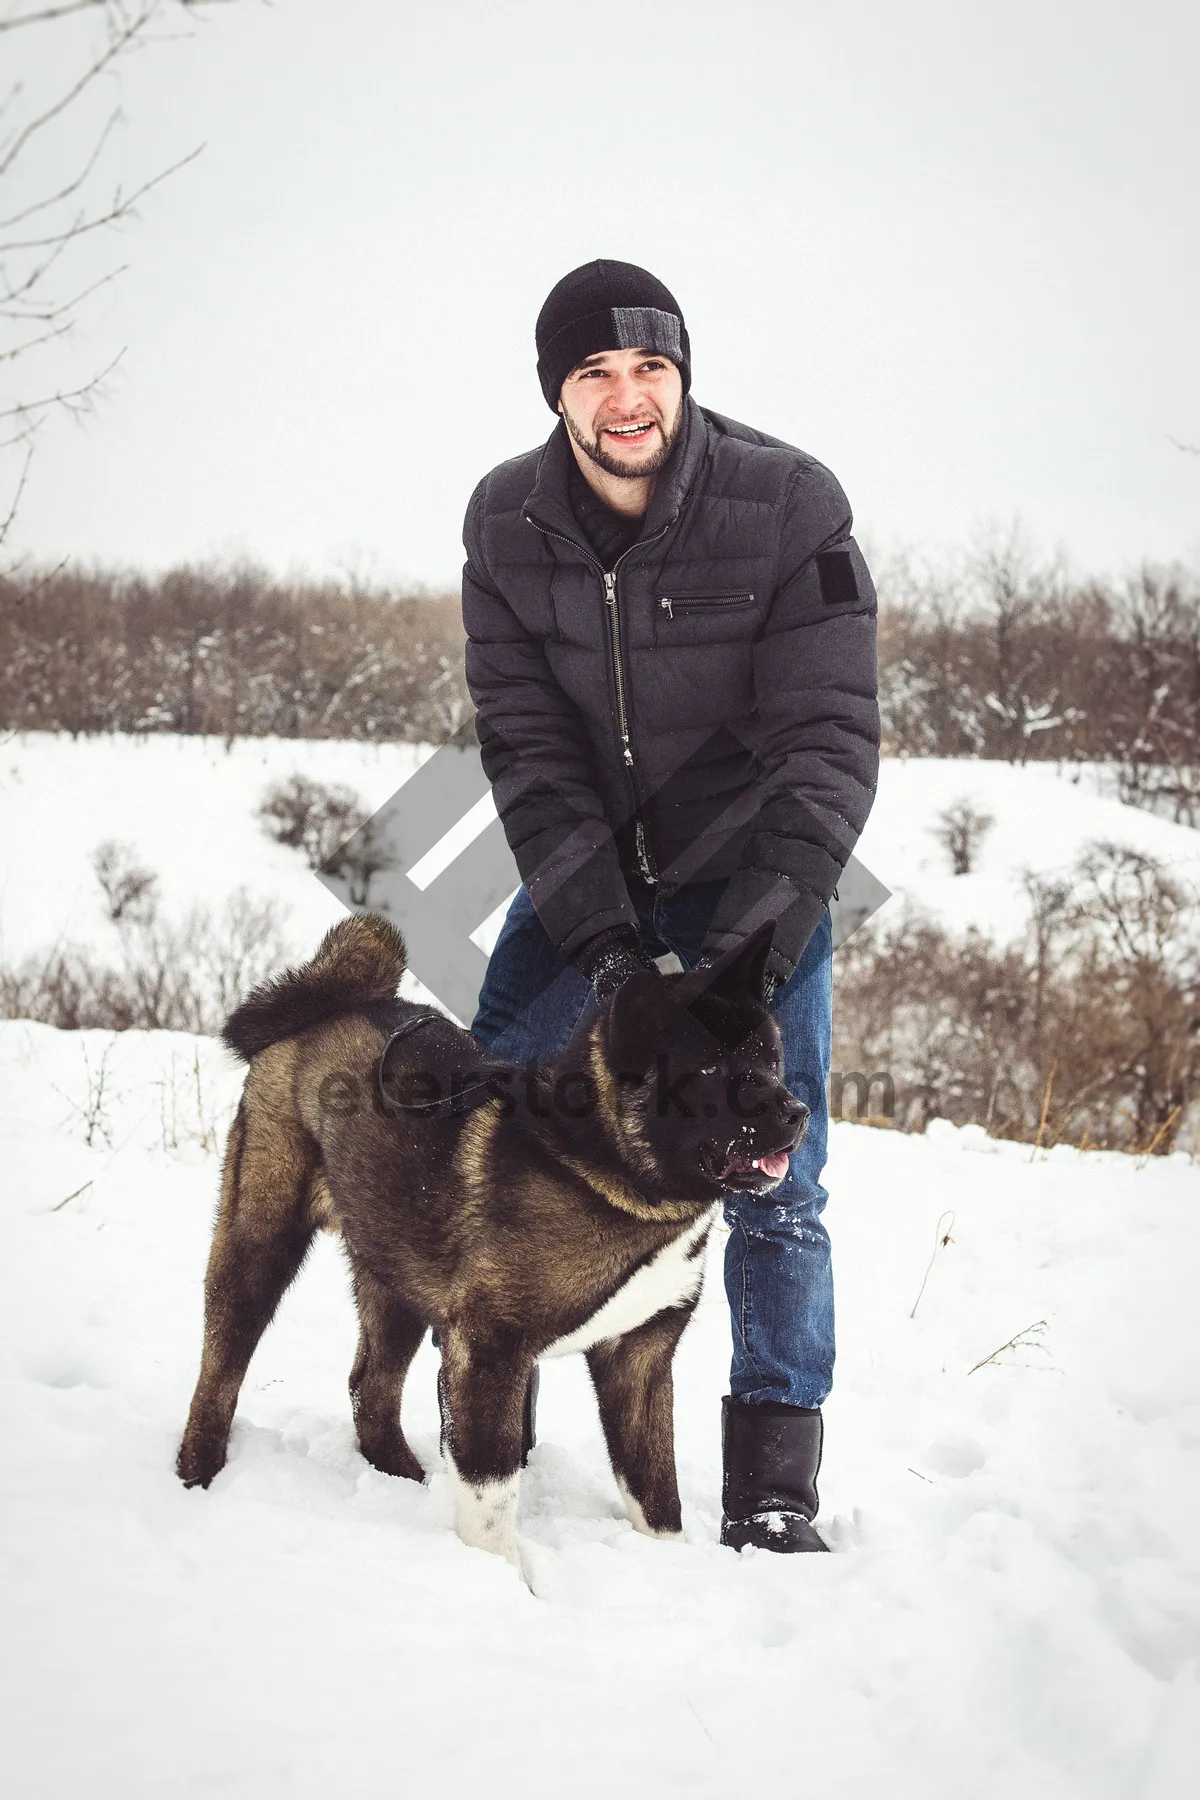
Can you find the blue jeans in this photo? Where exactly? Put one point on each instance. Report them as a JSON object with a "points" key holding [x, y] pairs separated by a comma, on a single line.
{"points": [[777, 1269]]}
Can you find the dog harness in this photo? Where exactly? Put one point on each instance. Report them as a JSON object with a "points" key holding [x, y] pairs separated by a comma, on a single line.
{"points": [[460, 1099]]}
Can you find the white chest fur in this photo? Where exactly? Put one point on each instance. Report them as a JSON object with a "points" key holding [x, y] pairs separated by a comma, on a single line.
{"points": [[671, 1277]]}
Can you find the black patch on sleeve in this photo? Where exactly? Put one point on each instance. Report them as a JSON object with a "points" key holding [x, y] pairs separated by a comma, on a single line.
{"points": [[835, 570]]}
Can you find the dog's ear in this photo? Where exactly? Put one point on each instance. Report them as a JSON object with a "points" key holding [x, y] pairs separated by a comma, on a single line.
{"points": [[648, 1017], [740, 970]]}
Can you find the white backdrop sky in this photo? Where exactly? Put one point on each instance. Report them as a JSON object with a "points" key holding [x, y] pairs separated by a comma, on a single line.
{"points": [[952, 250]]}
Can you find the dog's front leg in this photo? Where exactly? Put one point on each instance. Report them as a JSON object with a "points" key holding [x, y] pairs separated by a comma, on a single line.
{"points": [[484, 1393], [632, 1379]]}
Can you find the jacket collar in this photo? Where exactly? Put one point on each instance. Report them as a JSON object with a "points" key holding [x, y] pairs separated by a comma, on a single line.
{"points": [[548, 502]]}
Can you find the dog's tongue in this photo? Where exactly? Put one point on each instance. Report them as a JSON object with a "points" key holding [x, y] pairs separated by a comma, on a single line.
{"points": [[775, 1165]]}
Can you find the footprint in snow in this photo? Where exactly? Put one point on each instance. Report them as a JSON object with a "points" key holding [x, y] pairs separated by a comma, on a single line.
{"points": [[955, 1454]]}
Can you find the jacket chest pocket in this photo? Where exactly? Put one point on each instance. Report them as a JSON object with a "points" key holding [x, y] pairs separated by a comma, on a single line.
{"points": [[703, 618]]}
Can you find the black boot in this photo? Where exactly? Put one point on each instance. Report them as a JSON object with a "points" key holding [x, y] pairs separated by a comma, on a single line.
{"points": [[772, 1453], [528, 1421]]}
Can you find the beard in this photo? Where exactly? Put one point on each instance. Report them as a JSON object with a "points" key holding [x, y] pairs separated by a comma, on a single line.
{"points": [[612, 465]]}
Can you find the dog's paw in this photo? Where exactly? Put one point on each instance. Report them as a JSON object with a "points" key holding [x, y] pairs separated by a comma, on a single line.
{"points": [[393, 1458], [635, 1513], [199, 1461], [485, 1512]]}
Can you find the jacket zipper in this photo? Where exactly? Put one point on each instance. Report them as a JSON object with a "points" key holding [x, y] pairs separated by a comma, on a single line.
{"points": [[649, 874], [609, 578], [610, 600], [690, 603]]}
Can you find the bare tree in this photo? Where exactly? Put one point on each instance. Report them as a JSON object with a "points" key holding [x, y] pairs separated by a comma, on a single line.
{"points": [[230, 653], [62, 59], [1016, 594], [130, 889], [1156, 721], [317, 817], [359, 860], [1051, 911], [1085, 1033], [960, 830]]}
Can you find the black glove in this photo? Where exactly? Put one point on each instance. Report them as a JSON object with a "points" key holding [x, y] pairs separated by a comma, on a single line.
{"points": [[610, 958]]}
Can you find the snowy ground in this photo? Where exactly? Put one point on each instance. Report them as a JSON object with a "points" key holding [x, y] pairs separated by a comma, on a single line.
{"points": [[187, 806], [1014, 1608], [1044, 816]]}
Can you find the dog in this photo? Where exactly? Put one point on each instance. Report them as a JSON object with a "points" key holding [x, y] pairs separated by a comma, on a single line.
{"points": [[520, 1213]]}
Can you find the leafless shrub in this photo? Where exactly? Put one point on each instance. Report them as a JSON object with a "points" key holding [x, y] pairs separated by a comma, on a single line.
{"points": [[1087, 1032], [183, 976], [130, 890], [1155, 721], [1002, 654], [998, 653], [93, 1109], [960, 830], [228, 653], [186, 1112], [314, 816], [359, 860], [1051, 907]]}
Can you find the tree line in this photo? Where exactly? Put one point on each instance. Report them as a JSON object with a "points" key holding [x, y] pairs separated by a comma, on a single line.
{"points": [[996, 655], [1082, 1030], [228, 653], [1005, 656]]}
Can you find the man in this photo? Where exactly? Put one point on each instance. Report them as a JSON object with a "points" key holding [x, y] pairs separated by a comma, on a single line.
{"points": [[671, 647]]}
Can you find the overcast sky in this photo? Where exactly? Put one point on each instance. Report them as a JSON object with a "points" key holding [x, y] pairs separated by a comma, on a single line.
{"points": [[952, 250]]}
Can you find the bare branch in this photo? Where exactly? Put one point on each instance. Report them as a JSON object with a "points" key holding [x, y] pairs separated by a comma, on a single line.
{"points": [[14, 93], [1191, 449], [941, 1238], [48, 336], [6, 523], [37, 584], [77, 6], [71, 188], [74, 399], [1028, 1338], [21, 436], [39, 301], [87, 1184], [50, 12], [34, 276], [54, 311], [120, 209], [120, 42]]}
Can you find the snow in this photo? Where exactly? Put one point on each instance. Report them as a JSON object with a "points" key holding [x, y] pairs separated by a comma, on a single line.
{"points": [[1044, 818], [187, 805], [1013, 1606], [1014, 1602]]}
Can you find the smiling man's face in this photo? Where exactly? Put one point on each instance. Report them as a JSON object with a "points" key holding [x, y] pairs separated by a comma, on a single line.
{"points": [[623, 408]]}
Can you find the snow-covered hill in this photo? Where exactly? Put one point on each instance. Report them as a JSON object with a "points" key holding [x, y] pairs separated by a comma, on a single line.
{"points": [[187, 806], [1015, 1608], [1044, 815]]}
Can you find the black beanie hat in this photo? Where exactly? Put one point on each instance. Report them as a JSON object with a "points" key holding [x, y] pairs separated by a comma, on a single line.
{"points": [[607, 306]]}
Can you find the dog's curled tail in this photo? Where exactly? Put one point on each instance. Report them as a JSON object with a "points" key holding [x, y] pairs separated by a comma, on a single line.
{"points": [[360, 959]]}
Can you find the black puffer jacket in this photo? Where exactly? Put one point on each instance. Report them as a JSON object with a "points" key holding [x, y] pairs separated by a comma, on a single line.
{"points": [[707, 708]]}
